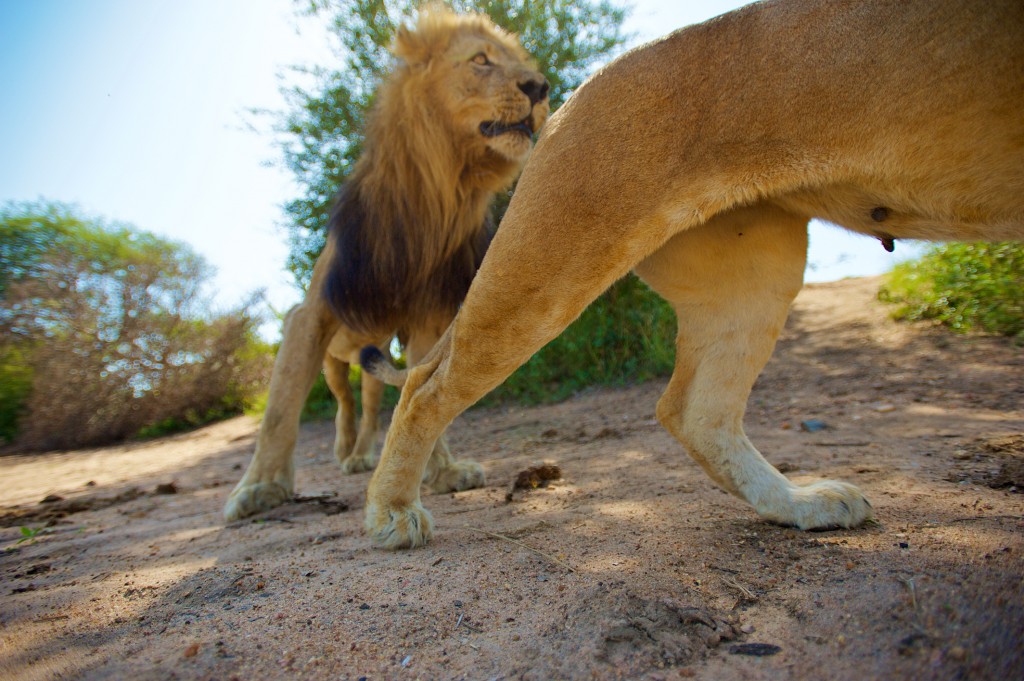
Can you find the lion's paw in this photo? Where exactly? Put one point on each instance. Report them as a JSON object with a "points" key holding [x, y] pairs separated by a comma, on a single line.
{"points": [[461, 475], [355, 463], [247, 500], [402, 527], [823, 505]]}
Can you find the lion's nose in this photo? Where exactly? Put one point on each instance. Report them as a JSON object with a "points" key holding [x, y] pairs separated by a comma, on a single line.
{"points": [[536, 90]]}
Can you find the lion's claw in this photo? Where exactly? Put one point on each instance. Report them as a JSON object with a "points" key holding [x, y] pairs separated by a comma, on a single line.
{"points": [[822, 505], [247, 500], [358, 464], [460, 475], [399, 528]]}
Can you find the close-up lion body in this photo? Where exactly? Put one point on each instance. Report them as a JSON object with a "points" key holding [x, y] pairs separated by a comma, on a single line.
{"points": [[451, 126], [698, 160]]}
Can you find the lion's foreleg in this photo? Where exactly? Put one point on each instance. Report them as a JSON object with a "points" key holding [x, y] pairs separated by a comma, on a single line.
{"points": [[394, 516], [269, 480], [731, 283], [444, 473]]}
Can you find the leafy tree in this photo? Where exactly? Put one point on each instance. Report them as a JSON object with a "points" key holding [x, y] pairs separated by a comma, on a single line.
{"points": [[103, 332], [321, 134]]}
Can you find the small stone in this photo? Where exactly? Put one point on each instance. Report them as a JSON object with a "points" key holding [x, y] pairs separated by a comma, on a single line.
{"points": [[813, 425], [755, 649]]}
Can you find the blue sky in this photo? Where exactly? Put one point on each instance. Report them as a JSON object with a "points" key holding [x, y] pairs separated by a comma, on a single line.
{"points": [[137, 112]]}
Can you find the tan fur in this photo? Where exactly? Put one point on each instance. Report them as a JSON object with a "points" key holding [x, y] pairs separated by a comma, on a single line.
{"points": [[697, 160], [405, 240]]}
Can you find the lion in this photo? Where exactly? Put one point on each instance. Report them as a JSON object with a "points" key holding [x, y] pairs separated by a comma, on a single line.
{"points": [[697, 161], [451, 126]]}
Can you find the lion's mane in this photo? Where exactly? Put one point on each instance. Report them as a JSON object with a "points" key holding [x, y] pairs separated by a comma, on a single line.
{"points": [[411, 224]]}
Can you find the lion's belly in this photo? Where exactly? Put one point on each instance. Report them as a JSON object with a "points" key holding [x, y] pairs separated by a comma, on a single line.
{"points": [[920, 214]]}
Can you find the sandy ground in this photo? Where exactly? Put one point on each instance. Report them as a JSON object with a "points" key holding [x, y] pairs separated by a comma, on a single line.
{"points": [[633, 565]]}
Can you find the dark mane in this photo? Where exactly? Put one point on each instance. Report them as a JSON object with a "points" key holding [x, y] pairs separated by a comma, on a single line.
{"points": [[377, 282]]}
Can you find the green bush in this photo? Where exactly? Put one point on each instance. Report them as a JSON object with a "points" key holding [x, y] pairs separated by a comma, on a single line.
{"points": [[626, 336], [320, 404], [966, 286], [15, 386]]}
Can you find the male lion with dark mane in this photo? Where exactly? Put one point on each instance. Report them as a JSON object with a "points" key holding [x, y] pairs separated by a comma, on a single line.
{"points": [[697, 161], [451, 126]]}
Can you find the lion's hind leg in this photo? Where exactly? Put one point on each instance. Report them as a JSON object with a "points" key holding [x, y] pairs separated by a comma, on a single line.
{"points": [[731, 282], [336, 373], [363, 456]]}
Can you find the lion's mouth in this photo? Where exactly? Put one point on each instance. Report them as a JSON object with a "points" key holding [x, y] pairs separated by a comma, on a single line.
{"points": [[497, 128]]}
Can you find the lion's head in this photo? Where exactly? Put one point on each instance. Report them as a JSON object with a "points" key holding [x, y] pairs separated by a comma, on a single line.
{"points": [[451, 125], [474, 75]]}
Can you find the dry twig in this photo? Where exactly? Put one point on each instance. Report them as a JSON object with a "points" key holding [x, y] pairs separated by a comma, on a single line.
{"points": [[521, 544]]}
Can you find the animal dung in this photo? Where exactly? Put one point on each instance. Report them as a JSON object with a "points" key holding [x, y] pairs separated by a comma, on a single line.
{"points": [[534, 477]]}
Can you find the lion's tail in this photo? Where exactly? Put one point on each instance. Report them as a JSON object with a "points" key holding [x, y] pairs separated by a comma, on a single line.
{"points": [[374, 362]]}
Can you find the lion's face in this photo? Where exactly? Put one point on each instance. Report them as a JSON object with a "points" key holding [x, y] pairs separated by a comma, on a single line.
{"points": [[496, 96], [485, 86]]}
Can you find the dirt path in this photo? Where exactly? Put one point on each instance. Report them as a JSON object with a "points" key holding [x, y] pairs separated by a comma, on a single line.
{"points": [[632, 566]]}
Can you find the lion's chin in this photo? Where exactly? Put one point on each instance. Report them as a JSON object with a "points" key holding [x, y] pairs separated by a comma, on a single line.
{"points": [[512, 146]]}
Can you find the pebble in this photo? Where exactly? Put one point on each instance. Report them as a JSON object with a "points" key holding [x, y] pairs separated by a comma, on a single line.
{"points": [[813, 425], [755, 649]]}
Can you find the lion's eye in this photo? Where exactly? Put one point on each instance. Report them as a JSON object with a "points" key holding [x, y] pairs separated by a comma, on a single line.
{"points": [[480, 59]]}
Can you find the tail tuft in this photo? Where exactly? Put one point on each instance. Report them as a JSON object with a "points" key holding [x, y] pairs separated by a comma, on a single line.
{"points": [[377, 364]]}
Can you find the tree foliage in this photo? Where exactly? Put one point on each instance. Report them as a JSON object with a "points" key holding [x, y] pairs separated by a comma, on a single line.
{"points": [[965, 286], [321, 132], [103, 332]]}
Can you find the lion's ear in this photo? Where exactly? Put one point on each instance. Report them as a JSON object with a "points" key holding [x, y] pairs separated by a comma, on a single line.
{"points": [[409, 46]]}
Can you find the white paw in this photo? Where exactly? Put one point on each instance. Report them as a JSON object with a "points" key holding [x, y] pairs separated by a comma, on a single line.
{"points": [[354, 463], [821, 505], [247, 500], [459, 476], [402, 527]]}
